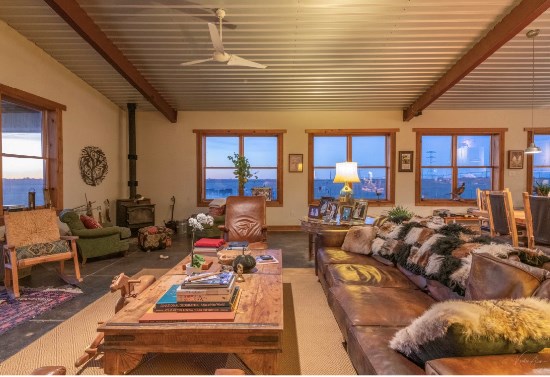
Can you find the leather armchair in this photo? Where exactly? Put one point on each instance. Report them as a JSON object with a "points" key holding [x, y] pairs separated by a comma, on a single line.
{"points": [[245, 220], [96, 242]]}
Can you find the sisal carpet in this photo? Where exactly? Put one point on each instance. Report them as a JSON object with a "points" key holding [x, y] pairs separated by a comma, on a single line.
{"points": [[31, 303], [312, 343]]}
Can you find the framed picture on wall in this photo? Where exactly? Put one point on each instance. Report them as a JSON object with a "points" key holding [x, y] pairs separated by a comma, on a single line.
{"points": [[405, 161], [295, 163], [515, 159]]}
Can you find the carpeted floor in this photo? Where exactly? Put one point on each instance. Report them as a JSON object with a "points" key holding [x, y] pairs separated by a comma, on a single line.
{"points": [[312, 343]]}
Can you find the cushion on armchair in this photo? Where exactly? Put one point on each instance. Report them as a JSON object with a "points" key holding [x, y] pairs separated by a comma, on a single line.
{"points": [[90, 222], [470, 328], [42, 249]]}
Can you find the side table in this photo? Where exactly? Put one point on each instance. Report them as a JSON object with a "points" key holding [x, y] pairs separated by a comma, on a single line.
{"points": [[315, 227]]}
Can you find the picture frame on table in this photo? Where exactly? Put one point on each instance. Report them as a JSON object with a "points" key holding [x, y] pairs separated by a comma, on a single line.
{"points": [[515, 159], [360, 209], [295, 163], [405, 161], [345, 213], [314, 211], [324, 204], [262, 191], [332, 211]]}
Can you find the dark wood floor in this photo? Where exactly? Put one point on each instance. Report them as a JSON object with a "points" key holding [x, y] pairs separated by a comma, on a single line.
{"points": [[98, 273]]}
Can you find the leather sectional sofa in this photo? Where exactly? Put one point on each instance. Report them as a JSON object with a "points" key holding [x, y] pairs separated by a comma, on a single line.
{"points": [[372, 299]]}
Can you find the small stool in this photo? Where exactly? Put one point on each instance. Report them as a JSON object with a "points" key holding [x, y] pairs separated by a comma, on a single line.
{"points": [[154, 238]]}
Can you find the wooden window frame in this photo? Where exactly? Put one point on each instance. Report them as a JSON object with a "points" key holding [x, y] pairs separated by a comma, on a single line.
{"points": [[201, 159], [497, 161], [52, 128], [389, 133], [531, 132]]}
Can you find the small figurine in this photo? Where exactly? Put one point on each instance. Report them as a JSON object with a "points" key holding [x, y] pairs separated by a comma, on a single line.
{"points": [[240, 270]]}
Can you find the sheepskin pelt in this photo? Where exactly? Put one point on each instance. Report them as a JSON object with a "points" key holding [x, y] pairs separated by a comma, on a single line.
{"points": [[515, 321], [377, 245], [432, 222], [388, 230], [418, 236]]}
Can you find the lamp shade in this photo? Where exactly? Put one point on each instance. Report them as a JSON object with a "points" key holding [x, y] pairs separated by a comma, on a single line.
{"points": [[346, 172], [532, 149]]}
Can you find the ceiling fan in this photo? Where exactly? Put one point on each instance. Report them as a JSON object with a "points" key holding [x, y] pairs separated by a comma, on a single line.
{"points": [[219, 53]]}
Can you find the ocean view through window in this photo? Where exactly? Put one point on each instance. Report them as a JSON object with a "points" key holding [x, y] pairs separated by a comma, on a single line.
{"points": [[449, 160], [541, 162], [371, 150], [263, 151], [23, 159]]}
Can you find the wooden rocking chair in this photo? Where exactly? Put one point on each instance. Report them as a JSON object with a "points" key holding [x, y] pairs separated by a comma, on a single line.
{"points": [[32, 237]]}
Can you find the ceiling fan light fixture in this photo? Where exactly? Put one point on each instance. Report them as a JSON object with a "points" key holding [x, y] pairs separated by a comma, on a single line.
{"points": [[532, 148]]}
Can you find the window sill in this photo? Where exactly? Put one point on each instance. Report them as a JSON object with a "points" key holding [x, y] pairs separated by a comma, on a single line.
{"points": [[448, 203], [272, 203]]}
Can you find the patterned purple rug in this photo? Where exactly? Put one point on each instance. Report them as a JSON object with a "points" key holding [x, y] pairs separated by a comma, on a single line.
{"points": [[31, 303]]}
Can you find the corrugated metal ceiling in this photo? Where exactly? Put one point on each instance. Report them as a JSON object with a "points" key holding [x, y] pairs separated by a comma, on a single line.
{"points": [[321, 54]]}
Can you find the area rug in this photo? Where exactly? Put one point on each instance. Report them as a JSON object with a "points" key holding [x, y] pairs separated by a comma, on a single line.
{"points": [[32, 303], [312, 342]]}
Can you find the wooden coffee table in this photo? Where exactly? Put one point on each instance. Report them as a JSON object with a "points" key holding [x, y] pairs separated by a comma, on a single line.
{"points": [[255, 336]]}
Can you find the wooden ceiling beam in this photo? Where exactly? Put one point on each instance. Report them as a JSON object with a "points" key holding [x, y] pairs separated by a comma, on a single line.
{"points": [[79, 20], [514, 22]]}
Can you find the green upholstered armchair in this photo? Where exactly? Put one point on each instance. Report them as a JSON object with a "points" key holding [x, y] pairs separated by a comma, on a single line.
{"points": [[96, 242]]}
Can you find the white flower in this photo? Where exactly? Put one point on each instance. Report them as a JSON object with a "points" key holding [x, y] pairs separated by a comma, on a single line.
{"points": [[197, 222]]}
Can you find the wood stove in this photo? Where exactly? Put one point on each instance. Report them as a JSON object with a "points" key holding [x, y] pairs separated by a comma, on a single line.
{"points": [[135, 214]]}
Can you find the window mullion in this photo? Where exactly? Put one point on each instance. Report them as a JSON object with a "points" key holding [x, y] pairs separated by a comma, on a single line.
{"points": [[454, 163]]}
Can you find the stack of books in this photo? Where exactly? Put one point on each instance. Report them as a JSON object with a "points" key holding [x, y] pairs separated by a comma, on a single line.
{"points": [[207, 246], [237, 245], [206, 297]]}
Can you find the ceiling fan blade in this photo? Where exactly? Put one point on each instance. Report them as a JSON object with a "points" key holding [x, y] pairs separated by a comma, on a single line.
{"points": [[192, 62], [237, 60], [215, 36]]}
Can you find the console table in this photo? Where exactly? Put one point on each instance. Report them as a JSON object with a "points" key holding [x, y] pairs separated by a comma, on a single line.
{"points": [[315, 227]]}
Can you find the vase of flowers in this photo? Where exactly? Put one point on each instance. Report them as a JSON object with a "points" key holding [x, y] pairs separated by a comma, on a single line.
{"points": [[197, 223]]}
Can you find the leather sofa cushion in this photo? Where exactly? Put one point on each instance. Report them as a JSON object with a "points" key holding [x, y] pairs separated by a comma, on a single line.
{"points": [[335, 255], [357, 305], [441, 292], [369, 352], [527, 363], [494, 278], [358, 274]]}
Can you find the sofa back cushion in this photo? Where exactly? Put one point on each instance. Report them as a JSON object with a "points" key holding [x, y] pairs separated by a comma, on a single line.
{"points": [[359, 239], [494, 278]]}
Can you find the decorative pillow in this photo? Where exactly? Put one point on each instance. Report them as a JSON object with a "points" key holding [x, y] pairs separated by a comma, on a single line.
{"points": [[472, 328], [359, 239], [90, 222]]}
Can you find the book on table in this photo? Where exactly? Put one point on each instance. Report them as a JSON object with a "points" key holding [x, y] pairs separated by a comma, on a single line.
{"points": [[216, 280], [237, 245], [168, 303], [209, 243]]}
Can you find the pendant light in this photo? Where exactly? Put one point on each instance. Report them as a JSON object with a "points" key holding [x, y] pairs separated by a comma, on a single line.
{"points": [[532, 148]]}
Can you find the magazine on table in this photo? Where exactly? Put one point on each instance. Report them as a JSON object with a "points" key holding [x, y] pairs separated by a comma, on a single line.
{"points": [[266, 259]]}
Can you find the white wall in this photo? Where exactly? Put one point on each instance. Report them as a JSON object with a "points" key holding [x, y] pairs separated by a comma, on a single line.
{"points": [[167, 164], [90, 119]]}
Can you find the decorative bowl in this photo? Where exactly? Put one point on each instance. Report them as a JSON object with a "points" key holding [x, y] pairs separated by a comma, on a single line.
{"points": [[227, 257]]}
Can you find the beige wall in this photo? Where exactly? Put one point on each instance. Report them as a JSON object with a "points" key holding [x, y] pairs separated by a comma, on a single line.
{"points": [[90, 119], [167, 164]]}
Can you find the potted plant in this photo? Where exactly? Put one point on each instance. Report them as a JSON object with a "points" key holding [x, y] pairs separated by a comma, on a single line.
{"points": [[197, 223], [542, 189], [398, 214], [242, 169]]}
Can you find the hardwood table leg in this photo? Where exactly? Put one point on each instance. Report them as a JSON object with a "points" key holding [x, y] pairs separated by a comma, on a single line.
{"points": [[261, 363], [311, 244], [120, 362]]}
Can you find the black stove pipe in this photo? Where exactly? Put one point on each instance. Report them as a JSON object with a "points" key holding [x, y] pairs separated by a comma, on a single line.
{"points": [[132, 156]]}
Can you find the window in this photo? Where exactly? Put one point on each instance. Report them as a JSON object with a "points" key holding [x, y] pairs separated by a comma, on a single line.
{"points": [[374, 152], [538, 165], [448, 160], [262, 148], [30, 154]]}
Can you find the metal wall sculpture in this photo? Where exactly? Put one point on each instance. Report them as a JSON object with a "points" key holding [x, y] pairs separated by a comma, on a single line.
{"points": [[93, 165]]}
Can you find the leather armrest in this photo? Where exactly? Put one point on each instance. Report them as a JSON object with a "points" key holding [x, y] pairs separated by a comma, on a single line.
{"points": [[69, 238], [332, 238]]}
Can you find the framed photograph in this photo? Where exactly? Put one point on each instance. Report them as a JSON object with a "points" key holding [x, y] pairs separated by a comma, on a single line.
{"points": [[295, 163], [324, 204], [331, 212], [345, 213], [314, 211], [360, 209], [262, 191], [405, 161], [515, 159]]}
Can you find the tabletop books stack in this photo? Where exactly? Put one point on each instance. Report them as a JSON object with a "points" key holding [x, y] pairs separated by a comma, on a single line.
{"points": [[213, 298], [208, 246]]}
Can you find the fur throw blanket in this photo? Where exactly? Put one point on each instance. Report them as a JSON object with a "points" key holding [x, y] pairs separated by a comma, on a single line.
{"points": [[514, 321]]}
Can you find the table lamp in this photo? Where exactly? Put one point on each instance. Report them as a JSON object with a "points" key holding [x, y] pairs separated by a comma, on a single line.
{"points": [[346, 173]]}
